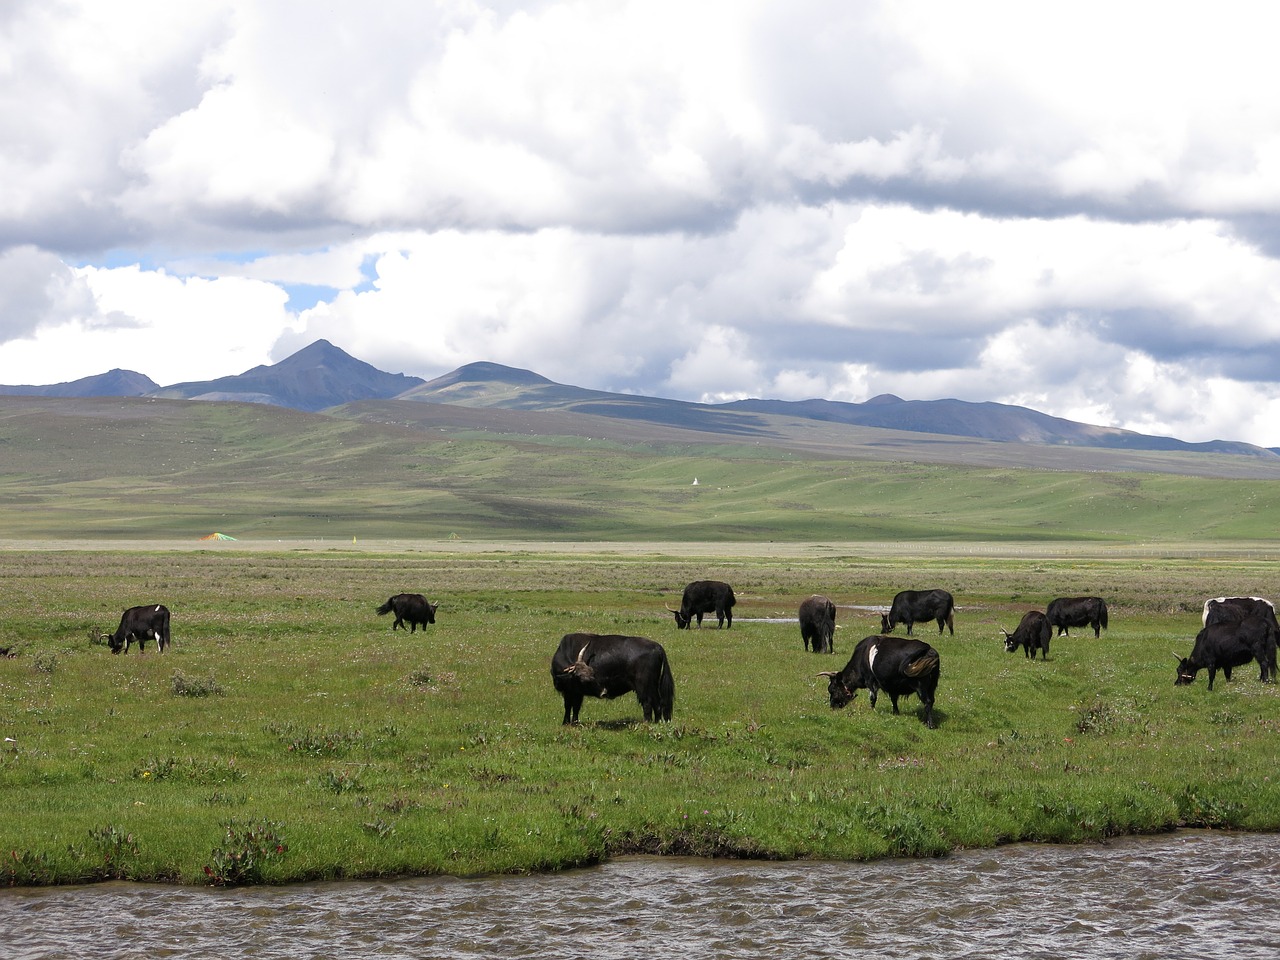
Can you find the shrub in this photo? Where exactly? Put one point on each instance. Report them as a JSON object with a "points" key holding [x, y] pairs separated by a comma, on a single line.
{"points": [[247, 849], [184, 686], [112, 847]]}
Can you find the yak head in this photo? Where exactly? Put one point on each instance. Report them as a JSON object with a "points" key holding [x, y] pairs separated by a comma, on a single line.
{"points": [[580, 670], [682, 620], [1010, 644], [1186, 671], [837, 690], [886, 623]]}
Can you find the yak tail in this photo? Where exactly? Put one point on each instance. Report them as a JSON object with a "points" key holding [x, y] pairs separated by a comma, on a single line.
{"points": [[385, 608], [922, 664], [1102, 613], [666, 691]]}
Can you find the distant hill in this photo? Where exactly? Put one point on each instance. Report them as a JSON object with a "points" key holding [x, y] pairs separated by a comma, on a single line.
{"points": [[493, 385], [322, 376], [510, 388], [316, 377], [133, 468], [988, 421], [113, 383]]}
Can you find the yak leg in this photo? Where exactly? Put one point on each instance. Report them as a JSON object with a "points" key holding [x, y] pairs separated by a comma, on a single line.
{"points": [[928, 713], [572, 704]]}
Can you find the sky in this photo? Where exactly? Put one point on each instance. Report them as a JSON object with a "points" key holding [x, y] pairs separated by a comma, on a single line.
{"points": [[1073, 207]]}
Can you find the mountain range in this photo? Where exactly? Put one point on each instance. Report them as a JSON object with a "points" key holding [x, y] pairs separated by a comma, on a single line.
{"points": [[322, 376]]}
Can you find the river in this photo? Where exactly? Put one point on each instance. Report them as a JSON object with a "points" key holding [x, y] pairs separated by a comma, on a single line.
{"points": [[1193, 894]]}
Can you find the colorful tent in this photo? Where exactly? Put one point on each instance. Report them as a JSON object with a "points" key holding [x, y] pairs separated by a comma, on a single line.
{"points": [[217, 536]]}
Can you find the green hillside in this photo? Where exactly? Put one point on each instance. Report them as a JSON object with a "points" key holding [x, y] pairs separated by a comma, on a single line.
{"points": [[126, 468]]}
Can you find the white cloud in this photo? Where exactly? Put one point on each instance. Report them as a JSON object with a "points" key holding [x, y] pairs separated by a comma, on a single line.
{"points": [[169, 328], [37, 289], [1076, 205]]}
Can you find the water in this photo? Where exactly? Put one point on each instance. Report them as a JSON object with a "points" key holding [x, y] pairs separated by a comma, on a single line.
{"points": [[1193, 895]]}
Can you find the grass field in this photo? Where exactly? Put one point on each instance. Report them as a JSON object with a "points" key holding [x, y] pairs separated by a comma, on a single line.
{"points": [[289, 734], [135, 469]]}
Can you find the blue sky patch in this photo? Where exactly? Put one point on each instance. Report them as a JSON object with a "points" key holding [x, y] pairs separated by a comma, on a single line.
{"points": [[304, 296]]}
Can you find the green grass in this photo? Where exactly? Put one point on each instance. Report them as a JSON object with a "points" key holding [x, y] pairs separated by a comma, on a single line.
{"points": [[289, 734], [121, 469]]}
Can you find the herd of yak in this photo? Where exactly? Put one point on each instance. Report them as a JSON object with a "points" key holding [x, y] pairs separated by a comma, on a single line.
{"points": [[1236, 631]]}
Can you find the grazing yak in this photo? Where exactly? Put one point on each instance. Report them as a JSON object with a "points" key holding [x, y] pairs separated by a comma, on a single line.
{"points": [[149, 622], [410, 608], [591, 665], [1221, 646], [705, 596], [920, 606], [1067, 612], [900, 666], [1033, 633], [818, 624]]}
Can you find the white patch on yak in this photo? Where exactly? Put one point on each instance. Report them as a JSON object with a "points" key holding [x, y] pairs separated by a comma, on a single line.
{"points": [[1204, 616], [871, 657]]}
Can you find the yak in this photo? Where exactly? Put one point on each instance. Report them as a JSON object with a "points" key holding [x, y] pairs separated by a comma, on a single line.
{"points": [[900, 666], [1235, 609], [920, 606], [149, 622], [1067, 612], [818, 624], [410, 608], [705, 596], [1226, 645], [1033, 633], [589, 664]]}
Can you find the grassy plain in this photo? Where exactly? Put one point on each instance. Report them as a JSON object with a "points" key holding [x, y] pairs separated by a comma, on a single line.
{"points": [[289, 734], [113, 469]]}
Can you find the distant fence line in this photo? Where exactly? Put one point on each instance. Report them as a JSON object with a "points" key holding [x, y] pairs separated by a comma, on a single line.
{"points": [[858, 549]]}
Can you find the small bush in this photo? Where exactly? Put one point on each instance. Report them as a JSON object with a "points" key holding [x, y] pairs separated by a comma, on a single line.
{"points": [[379, 828], [26, 869], [45, 662], [111, 847], [247, 849], [187, 770], [339, 781], [184, 686]]}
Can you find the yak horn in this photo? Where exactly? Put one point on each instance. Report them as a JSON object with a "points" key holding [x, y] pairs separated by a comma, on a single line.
{"points": [[1178, 658], [827, 673], [671, 609]]}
